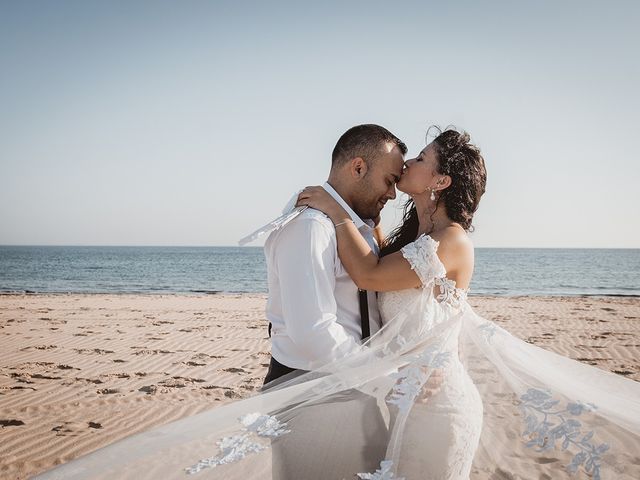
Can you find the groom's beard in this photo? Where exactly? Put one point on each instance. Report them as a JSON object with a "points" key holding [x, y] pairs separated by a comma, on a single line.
{"points": [[367, 207], [374, 210], [368, 212]]}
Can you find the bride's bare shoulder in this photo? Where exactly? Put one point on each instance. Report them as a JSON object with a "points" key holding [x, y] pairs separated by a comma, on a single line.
{"points": [[455, 249]]}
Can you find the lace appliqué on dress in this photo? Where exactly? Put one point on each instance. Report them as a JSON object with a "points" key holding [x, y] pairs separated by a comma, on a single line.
{"points": [[547, 423], [412, 378], [383, 473], [449, 293], [488, 330], [237, 447], [421, 255]]}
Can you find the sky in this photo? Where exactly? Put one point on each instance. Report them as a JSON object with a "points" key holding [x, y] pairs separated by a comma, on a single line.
{"points": [[192, 123]]}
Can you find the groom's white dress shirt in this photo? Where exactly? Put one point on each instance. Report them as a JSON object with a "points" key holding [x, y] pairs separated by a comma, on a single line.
{"points": [[313, 303]]}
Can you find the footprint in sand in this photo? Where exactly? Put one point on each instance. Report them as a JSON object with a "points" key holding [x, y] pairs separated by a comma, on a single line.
{"points": [[190, 379], [146, 351], [26, 377], [107, 391], [149, 389], [68, 429], [234, 370], [95, 381], [88, 351], [260, 354], [154, 389], [38, 347], [109, 376], [11, 423], [624, 372], [44, 377], [204, 356], [22, 387], [66, 367]]}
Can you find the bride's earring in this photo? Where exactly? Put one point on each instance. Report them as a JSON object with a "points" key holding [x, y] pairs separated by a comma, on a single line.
{"points": [[433, 195]]}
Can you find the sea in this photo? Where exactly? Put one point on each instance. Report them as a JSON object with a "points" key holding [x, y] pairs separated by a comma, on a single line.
{"points": [[212, 270]]}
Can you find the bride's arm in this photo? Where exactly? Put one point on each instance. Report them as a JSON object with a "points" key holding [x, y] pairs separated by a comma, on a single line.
{"points": [[392, 272]]}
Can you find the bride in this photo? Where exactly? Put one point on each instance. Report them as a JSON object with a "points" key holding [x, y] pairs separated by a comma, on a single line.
{"points": [[461, 397], [430, 251]]}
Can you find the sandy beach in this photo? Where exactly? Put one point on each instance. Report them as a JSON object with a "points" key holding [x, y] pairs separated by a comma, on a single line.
{"points": [[78, 372]]}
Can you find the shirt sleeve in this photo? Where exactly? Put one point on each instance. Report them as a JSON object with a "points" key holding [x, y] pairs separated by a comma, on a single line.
{"points": [[305, 260]]}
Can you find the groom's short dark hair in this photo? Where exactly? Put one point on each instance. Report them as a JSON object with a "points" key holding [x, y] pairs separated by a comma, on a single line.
{"points": [[364, 141]]}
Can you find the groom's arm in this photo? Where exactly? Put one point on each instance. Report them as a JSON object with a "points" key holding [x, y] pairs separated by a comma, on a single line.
{"points": [[305, 260]]}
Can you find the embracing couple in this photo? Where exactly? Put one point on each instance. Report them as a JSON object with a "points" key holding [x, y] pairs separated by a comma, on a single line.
{"points": [[380, 368], [325, 269]]}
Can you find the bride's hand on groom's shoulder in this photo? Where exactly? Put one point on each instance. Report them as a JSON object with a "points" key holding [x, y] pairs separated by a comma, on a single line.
{"points": [[318, 198]]}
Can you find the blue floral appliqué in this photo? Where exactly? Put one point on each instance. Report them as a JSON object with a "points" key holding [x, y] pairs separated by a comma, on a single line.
{"points": [[412, 378], [237, 447], [383, 473], [547, 423], [488, 329]]}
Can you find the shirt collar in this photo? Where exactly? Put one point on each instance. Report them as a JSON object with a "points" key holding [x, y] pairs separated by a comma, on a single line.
{"points": [[359, 223]]}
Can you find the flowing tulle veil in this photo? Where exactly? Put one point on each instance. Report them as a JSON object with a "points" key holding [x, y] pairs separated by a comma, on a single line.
{"points": [[544, 416]]}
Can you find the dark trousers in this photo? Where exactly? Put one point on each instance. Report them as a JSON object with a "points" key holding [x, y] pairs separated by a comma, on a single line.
{"points": [[277, 370], [330, 439]]}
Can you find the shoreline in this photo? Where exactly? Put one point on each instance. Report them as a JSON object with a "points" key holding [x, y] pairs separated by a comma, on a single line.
{"points": [[80, 371], [223, 293]]}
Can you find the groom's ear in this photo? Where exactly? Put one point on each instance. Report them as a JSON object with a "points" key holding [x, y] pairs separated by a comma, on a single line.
{"points": [[358, 167]]}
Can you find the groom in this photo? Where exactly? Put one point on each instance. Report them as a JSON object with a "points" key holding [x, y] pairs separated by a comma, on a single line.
{"points": [[317, 314], [313, 306]]}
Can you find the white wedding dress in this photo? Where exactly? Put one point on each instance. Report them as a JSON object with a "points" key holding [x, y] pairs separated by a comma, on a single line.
{"points": [[453, 416], [505, 409]]}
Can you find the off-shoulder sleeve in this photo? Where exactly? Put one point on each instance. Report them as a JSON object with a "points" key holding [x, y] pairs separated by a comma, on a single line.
{"points": [[421, 254]]}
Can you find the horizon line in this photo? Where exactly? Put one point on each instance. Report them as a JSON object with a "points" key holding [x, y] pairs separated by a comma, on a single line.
{"points": [[260, 246]]}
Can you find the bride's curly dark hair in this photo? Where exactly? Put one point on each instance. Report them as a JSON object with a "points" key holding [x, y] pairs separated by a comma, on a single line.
{"points": [[460, 160]]}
